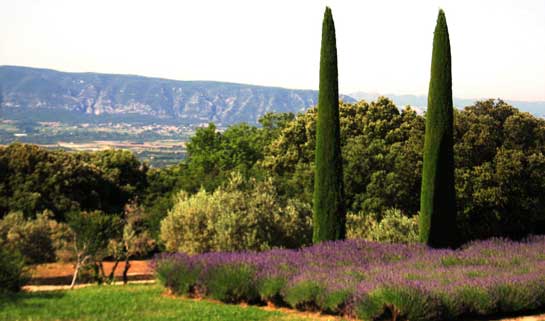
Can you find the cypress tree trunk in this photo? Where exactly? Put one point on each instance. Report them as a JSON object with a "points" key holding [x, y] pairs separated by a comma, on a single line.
{"points": [[329, 213], [438, 199]]}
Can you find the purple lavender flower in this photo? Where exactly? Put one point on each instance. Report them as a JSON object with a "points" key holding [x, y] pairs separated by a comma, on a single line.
{"points": [[368, 279]]}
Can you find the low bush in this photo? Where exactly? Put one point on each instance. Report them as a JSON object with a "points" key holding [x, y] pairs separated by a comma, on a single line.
{"points": [[91, 233], [177, 276], [13, 273], [370, 280], [231, 283], [516, 295], [304, 295], [334, 301], [244, 215], [35, 238], [467, 300], [269, 289], [395, 303], [392, 227]]}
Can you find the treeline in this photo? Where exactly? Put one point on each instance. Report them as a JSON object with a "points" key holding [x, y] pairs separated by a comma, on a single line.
{"points": [[499, 161], [34, 179]]}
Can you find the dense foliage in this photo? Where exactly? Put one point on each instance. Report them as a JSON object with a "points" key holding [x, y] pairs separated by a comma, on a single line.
{"points": [[499, 156], [13, 270], [392, 227], [13, 273], [328, 201], [245, 214], [438, 198], [371, 281], [500, 171], [35, 239], [381, 149], [34, 179], [92, 231], [499, 178], [134, 240], [212, 157]]}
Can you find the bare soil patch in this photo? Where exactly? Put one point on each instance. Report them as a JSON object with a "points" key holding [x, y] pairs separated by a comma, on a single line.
{"points": [[528, 318], [45, 288], [61, 273]]}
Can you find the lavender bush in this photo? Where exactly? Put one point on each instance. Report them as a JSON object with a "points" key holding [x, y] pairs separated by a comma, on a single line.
{"points": [[371, 280]]}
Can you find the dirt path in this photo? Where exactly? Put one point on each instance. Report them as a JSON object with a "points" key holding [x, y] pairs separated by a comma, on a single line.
{"points": [[67, 269], [53, 274], [531, 318], [42, 288]]}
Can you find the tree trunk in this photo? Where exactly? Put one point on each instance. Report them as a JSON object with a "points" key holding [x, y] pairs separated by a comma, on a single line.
{"points": [[111, 276], [75, 274], [96, 270], [126, 269], [79, 263]]}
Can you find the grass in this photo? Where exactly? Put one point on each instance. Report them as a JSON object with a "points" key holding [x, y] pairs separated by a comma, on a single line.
{"points": [[131, 302]]}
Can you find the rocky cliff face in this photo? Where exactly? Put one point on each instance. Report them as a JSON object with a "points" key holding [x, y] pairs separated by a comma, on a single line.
{"points": [[190, 101]]}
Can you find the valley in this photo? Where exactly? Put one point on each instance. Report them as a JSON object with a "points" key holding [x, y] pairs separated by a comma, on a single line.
{"points": [[158, 144]]}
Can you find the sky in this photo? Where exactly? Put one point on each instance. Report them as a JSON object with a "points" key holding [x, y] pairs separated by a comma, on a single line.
{"points": [[498, 46]]}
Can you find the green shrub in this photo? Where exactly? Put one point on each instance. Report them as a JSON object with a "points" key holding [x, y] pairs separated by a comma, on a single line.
{"points": [[516, 296], [369, 307], [333, 301], [394, 227], [176, 276], [232, 283], [187, 227], [399, 303], [33, 238], [304, 295], [244, 215], [91, 234], [164, 273], [13, 273], [467, 300], [269, 288], [295, 224]]}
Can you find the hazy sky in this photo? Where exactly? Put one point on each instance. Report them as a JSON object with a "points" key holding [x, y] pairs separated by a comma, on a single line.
{"points": [[498, 46]]}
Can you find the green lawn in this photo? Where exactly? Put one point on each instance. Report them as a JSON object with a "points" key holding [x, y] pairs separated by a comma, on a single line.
{"points": [[132, 302]]}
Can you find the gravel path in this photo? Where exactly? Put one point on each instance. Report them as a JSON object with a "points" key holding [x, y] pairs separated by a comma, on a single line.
{"points": [[40, 288]]}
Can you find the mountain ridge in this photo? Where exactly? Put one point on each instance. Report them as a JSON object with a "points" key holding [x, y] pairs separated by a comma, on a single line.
{"points": [[124, 96], [146, 77], [187, 101]]}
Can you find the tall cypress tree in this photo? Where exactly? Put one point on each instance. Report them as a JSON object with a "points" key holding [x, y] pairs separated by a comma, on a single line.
{"points": [[438, 198], [329, 213]]}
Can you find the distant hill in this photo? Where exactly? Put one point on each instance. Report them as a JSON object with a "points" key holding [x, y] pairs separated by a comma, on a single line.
{"points": [[420, 102], [47, 93]]}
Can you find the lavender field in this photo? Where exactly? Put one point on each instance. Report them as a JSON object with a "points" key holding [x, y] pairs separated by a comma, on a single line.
{"points": [[369, 280]]}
